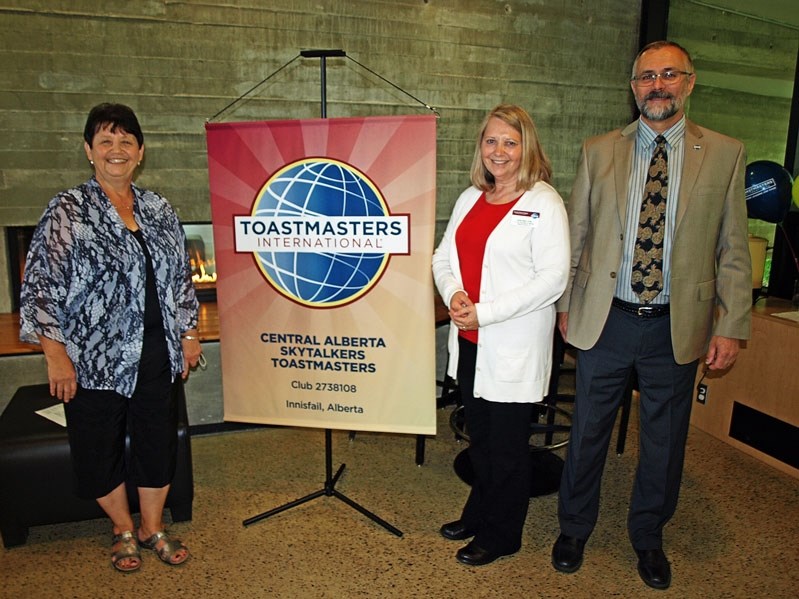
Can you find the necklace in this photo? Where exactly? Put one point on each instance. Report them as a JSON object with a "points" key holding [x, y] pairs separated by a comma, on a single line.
{"points": [[121, 205], [122, 200]]}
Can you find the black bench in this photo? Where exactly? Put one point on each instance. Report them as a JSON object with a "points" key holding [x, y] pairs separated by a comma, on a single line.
{"points": [[36, 479]]}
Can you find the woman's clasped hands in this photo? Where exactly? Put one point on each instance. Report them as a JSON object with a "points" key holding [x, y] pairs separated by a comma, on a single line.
{"points": [[463, 312]]}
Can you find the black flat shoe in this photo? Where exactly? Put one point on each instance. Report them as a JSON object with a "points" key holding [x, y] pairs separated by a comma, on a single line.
{"points": [[456, 531], [473, 555], [567, 554], [654, 568]]}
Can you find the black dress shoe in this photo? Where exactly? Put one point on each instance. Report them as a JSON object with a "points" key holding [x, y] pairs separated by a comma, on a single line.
{"points": [[474, 555], [654, 568], [456, 531], [567, 554]]}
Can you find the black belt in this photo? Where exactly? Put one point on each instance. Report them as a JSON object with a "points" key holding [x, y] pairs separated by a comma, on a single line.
{"points": [[642, 310]]}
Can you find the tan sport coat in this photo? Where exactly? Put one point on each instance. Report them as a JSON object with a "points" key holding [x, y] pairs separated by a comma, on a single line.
{"points": [[711, 281]]}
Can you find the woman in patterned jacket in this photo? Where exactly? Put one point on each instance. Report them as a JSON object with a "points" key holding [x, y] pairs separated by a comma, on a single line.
{"points": [[107, 293]]}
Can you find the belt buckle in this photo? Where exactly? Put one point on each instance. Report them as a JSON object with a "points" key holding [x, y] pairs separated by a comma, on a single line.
{"points": [[644, 311]]}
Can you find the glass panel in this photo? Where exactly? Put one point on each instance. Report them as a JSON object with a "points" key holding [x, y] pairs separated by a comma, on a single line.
{"points": [[745, 60], [200, 247]]}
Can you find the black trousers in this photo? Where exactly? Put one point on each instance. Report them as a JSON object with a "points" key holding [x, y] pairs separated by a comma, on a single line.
{"points": [[666, 387], [98, 421], [499, 453]]}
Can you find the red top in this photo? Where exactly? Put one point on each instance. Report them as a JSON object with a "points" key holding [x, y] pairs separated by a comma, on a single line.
{"points": [[470, 239]]}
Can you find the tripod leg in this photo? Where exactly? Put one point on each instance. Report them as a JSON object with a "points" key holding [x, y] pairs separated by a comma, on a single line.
{"points": [[284, 507], [332, 482], [367, 513]]}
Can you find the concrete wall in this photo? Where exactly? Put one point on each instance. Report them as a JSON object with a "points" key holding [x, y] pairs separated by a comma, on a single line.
{"points": [[745, 70], [179, 63]]}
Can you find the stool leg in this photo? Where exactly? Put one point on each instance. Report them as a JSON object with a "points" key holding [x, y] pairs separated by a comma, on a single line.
{"points": [[448, 388], [420, 443], [181, 512], [14, 535], [551, 398]]}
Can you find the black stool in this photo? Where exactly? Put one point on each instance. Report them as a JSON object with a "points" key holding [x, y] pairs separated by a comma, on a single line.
{"points": [[36, 479]]}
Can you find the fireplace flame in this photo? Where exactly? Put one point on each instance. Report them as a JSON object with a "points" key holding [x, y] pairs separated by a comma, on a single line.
{"points": [[203, 271]]}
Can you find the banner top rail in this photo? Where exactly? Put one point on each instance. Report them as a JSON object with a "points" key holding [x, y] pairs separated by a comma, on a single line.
{"points": [[323, 54]]}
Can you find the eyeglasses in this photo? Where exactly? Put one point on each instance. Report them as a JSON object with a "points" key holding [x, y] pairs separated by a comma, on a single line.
{"points": [[667, 77]]}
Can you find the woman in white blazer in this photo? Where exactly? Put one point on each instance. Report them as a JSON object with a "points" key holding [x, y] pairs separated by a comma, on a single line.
{"points": [[502, 263]]}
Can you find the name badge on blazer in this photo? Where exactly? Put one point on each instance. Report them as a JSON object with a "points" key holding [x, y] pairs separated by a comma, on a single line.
{"points": [[524, 218]]}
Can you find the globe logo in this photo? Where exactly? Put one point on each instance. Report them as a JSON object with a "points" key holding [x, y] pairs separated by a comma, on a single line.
{"points": [[342, 206]]}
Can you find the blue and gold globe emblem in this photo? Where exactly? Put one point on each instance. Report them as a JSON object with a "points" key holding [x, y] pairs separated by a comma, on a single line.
{"points": [[320, 231]]}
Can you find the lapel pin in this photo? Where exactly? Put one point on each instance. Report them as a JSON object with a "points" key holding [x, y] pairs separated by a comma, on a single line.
{"points": [[696, 147]]}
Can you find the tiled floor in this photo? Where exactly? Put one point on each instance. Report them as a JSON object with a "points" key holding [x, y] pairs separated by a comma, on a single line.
{"points": [[735, 533]]}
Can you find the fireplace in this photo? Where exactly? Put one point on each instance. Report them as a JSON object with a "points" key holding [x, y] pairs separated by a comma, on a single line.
{"points": [[199, 245], [19, 240]]}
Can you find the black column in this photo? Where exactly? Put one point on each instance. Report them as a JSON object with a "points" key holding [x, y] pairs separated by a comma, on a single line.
{"points": [[783, 267], [654, 21]]}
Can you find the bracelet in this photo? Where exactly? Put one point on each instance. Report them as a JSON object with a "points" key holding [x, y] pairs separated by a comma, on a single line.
{"points": [[190, 337]]}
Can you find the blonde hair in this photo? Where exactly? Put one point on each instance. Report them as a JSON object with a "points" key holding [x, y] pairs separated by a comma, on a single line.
{"points": [[535, 165]]}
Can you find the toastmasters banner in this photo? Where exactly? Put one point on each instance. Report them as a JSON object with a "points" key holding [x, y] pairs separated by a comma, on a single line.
{"points": [[323, 232]]}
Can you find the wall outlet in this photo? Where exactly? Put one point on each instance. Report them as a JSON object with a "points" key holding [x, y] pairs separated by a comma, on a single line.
{"points": [[701, 393]]}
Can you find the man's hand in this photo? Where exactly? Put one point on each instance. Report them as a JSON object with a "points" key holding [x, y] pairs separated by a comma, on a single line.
{"points": [[563, 323], [722, 352]]}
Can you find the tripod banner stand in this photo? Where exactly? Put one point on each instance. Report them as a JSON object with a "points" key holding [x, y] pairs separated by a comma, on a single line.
{"points": [[323, 232]]}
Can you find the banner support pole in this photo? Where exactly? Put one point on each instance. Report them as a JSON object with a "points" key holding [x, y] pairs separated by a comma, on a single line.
{"points": [[329, 489]]}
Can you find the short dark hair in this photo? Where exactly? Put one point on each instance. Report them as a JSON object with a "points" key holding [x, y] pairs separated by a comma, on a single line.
{"points": [[657, 46], [114, 116]]}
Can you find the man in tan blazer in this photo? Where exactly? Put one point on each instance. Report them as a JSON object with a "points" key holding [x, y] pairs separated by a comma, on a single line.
{"points": [[693, 298]]}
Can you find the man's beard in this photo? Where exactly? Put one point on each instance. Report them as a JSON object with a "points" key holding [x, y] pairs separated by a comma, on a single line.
{"points": [[660, 113]]}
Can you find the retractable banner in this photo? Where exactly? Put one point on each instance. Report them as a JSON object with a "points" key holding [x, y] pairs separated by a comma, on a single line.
{"points": [[323, 233]]}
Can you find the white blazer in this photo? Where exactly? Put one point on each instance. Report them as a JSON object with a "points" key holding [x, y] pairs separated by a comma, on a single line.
{"points": [[525, 270]]}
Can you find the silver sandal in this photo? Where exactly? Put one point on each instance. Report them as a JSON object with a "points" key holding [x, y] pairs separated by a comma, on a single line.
{"points": [[128, 550], [169, 548]]}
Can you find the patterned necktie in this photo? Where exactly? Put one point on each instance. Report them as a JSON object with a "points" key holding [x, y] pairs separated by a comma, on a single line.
{"points": [[647, 274]]}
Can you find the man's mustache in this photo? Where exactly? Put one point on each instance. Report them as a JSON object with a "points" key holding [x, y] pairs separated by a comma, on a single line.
{"points": [[659, 95]]}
